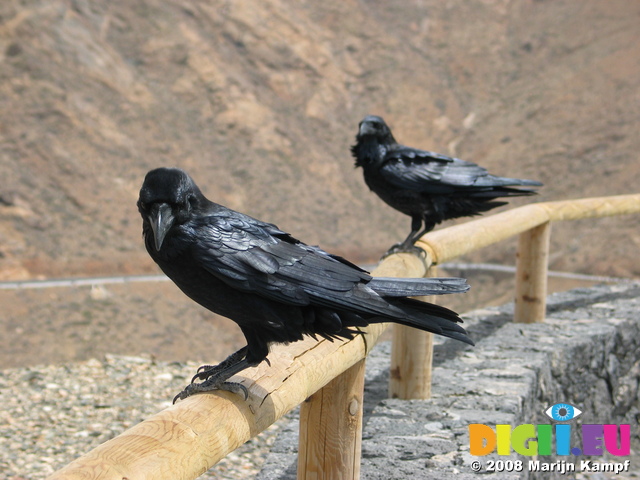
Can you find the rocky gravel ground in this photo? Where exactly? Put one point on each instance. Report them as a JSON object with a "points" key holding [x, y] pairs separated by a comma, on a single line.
{"points": [[53, 414]]}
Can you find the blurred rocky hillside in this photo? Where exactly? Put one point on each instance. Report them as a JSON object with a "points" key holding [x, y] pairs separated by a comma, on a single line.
{"points": [[260, 102]]}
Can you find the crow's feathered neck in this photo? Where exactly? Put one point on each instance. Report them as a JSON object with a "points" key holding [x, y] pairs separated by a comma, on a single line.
{"points": [[370, 150]]}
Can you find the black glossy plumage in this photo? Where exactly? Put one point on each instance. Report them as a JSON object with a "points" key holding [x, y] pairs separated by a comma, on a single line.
{"points": [[276, 288], [427, 186]]}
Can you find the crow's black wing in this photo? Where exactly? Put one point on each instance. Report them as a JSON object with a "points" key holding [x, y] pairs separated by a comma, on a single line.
{"points": [[431, 172], [257, 257]]}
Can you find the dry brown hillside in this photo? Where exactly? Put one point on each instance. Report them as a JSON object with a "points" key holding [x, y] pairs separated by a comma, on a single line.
{"points": [[260, 101]]}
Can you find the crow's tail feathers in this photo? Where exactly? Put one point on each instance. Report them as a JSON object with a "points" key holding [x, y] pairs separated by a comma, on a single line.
{"points": [[499, 192], [497, 182], [431, 318], [491, 187], [414, 287], [423, 315]]}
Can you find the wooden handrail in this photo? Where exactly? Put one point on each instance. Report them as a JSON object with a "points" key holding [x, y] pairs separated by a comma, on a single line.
{"points": [[532, 223], [451, 242], [184, 440]]}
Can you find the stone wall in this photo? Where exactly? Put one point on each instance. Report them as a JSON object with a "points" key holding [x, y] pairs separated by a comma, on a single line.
{"points": [[587, 354]]}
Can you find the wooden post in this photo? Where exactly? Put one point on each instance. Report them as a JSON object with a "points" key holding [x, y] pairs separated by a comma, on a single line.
{"points": [[331, 429], [531, 274], [411, 359], [331, 419]]}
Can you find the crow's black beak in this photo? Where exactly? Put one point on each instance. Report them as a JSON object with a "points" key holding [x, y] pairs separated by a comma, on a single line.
{"points": [[366, 128], [161, 220]]}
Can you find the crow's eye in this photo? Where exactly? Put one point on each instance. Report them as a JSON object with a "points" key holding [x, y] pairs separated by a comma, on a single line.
{"points": [[563, 412], [193, 201]]}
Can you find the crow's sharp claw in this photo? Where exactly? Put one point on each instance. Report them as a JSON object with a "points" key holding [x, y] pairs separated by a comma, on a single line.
{"points": [[202, 368], [193, 388], [402, 248]]}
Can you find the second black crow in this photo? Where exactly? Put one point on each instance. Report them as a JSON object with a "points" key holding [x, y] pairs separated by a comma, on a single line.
{"points": [[427, 186]]}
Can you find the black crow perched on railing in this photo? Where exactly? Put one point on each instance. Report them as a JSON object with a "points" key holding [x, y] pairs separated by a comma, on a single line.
{"points": [[427, 186], [275, 287]]}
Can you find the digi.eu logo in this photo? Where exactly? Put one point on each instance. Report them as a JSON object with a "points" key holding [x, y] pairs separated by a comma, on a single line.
{"points": [[529, 439]]}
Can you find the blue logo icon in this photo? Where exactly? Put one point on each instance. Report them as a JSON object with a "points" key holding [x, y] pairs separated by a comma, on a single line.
{"points": [[562, 412]]}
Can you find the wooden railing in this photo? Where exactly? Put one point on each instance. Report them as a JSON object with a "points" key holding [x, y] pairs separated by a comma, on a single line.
{"points": [[411, 363], [183, 441]]}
